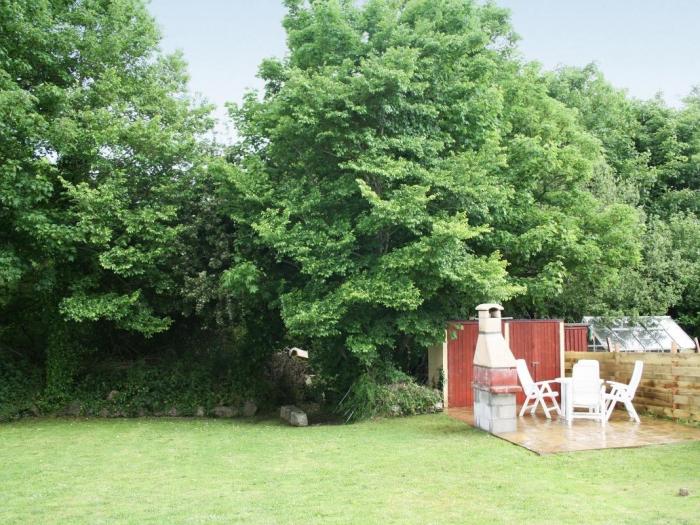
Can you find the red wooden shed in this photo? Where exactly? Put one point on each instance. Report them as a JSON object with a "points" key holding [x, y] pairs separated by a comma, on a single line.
{"points": [[575, 337], [540, 342]]}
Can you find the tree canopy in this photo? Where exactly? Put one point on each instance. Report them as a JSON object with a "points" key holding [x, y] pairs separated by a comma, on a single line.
{"points": [[651, 151], [101, 161]]}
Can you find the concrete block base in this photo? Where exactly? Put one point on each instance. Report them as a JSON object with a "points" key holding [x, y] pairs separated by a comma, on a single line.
{"points": [[494, 412]]}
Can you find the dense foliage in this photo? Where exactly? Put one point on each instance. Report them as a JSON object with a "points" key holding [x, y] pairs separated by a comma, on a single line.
{"points": [[400, 395], [108, 222], [402, 165], [358, 172], [652, 154]]}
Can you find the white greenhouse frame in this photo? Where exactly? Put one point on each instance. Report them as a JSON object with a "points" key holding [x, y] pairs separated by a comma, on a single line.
{"points": [[637, 334]]}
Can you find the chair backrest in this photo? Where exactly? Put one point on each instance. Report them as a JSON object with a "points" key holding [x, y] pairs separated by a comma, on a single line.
{"points": [[588, 362], [524, 376], [585, 383], [636, 378]]}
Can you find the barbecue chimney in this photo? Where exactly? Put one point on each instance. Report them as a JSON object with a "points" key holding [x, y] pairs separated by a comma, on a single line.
{"points": [[495, 377]]}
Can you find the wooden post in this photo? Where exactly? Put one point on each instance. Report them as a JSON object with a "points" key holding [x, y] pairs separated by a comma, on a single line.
{"points": [[562, 350], [674, 386], [697, 345], [610, 346], [445, 372]]}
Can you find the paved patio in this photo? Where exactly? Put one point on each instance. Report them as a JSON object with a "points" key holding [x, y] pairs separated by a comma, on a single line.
{"points": [[543, 436]]}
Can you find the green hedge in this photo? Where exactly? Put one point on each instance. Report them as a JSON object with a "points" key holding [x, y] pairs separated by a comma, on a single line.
{"points": [[20, 387], [168, 385]]}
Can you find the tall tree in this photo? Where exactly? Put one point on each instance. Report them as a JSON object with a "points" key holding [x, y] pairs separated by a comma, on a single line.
{"points": [[652, 151], [100, 161], [566, 237], [359, 167]]}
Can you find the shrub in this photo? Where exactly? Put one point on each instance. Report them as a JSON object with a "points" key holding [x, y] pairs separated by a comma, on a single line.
{"points": [[182, 384], [20, 384], [169, 385], [368, 398]]}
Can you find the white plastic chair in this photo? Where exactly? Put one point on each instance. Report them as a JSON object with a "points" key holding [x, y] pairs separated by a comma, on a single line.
{"points": [[536, 392], [624, 393], [587, 392]]}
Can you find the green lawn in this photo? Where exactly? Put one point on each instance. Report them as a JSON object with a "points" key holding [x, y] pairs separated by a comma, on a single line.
{"points": [[427, 469]]}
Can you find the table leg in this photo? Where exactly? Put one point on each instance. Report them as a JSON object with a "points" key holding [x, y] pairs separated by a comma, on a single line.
{"points": [[566, 400]]}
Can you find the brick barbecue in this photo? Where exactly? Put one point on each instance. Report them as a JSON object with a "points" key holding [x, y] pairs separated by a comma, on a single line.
{"points": [[495, 378]]}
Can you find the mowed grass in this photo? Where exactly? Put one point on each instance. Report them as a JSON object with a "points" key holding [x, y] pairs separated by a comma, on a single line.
{"points": [[427, 469]]}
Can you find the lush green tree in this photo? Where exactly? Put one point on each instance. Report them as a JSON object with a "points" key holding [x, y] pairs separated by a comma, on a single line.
{"points": [[672, 137], [360, 168], [612, 117], [399, 157], [101, 170], [653, 152], [564, 240]]}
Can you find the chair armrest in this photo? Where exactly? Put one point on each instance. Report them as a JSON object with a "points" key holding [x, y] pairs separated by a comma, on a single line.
{"points": [[545, 388], [546, 382], [616, 384]]}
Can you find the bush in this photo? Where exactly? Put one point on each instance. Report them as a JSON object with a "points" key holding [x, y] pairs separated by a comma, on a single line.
{"points": [[20, 384], [178, 388], [368, 398], [194, 383], [173, 384]]}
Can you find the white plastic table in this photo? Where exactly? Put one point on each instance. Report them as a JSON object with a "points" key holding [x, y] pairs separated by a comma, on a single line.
{"points": [[566, 403]]}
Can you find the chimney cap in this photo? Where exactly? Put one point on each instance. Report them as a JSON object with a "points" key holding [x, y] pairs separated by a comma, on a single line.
{"points": [[488, 307]]}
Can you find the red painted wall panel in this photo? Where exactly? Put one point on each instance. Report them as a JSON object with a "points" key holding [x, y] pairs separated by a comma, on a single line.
{"points": [[537, 342], [576, 338], [460, 355]]}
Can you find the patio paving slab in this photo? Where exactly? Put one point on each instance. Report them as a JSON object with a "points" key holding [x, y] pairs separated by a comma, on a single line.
{"points": [[544, 436]]}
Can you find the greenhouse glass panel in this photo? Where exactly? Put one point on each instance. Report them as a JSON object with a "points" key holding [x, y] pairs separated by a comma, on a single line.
{"points": [[676, 332], [652, 339], [628, 338]]}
